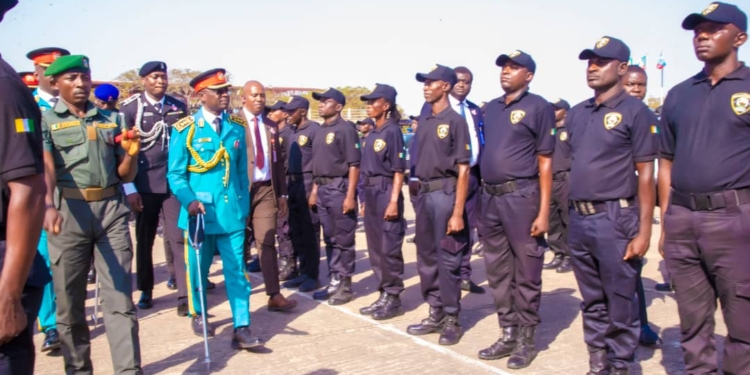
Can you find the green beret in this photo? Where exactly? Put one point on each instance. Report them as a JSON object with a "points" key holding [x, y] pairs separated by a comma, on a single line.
{"points": [[67, 63]]}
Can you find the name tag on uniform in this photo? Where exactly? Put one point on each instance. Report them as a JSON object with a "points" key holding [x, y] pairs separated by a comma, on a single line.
{"points": [[205, 197], [64, 125], [175, 113], [203, 140], [105, 126]]}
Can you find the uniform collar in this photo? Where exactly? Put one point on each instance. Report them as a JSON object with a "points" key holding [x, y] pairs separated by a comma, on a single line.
{"points": [[388, 123], [91, 109], [741, 73], [339, 119], [303, 125], [210, 117], [517, 99], [153, 102], [609, 103], [442, 113], [47, 97]]}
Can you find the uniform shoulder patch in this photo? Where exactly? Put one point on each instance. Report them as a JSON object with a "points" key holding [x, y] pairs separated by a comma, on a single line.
{"points": [[184, 123], [238, 120], [129, 100]]}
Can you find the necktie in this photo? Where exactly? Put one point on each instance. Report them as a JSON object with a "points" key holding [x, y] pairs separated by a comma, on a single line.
{"points": [[158, 107], [463, 111], [260, 157], [217, 125]]}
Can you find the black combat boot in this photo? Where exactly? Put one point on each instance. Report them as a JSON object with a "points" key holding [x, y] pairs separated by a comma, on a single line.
{"points": [[332, 287], [598, 363], [452, 331], [502, 347], [343, 294], [368, 310], [433, 323], [390, 309], [525, 352]]}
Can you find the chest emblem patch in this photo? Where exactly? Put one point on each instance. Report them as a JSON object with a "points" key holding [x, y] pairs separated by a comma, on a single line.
{"points": [[442, 131], [302, 140], [379, 145], [516, 116], [740, 103], [330, 137], [563, 136], [611, 120]]}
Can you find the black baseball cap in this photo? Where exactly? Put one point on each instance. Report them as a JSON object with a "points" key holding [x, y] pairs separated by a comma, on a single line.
{"points": [[439, 73], [560, 104], [518, 57], [609, 48], [366, 121], [297, 102], [331, 94], [719, 13], [280, 104], [381, 91]]}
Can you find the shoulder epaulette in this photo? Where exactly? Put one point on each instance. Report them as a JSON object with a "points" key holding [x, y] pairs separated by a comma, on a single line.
{"points": [[129, 100], [183, 123], [238, 120]]}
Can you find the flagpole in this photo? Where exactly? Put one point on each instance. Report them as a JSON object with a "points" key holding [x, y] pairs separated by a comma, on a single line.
{"points": [[661, 90]]}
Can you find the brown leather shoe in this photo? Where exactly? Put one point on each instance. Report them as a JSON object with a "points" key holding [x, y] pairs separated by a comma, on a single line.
{"points": [[278, 303]]}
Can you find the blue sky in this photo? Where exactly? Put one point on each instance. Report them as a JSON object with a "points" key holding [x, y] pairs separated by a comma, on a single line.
{"points": [[339, 42]]}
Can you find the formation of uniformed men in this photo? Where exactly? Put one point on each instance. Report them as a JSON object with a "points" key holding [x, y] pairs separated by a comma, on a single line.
{"points": [[583, 175]]}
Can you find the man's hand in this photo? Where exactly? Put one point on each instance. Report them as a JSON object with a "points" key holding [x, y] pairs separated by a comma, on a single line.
{"points": [[313, 200], [455, 224], [349, 204], [12, 317], [195, 208], [134, 200], [540, 226], [391, 212], [52, 221], [283, 206], [131, 145], [637, 247]]}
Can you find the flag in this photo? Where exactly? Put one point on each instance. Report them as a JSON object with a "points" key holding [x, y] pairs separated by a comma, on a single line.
{"points": [[661, 63], [24, 125], [654, 129], [642, 63]]}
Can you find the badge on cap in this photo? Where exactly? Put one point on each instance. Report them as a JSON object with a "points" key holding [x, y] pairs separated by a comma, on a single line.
{"points": [[710, 8], [740, 103], [563, 136], [514, 54], [220, 75], [442, 131], [516, 116], [602, 42], [379, 145], [434, 67], [85, 62], [302, 140], [161, 66], [611, 120], [557, 100], [330, 137]]}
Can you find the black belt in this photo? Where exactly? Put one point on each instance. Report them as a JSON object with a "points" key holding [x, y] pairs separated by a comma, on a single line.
{"points": [[508, 187], [439, 184], [320, 181], [297, 177], [375, 180], [561, 175], [594, 207], [711, 201]]}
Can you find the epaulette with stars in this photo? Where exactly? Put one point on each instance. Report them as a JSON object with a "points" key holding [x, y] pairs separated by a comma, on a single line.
{"points": [[184, 123], [238, 120]]}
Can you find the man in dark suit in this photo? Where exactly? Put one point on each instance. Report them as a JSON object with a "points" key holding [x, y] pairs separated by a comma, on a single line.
{"points": [[153, 113], [474, 118], [268, 190]]}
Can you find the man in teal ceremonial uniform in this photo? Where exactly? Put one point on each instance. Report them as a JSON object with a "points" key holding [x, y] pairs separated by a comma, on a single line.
{"points": [[208, 174], [45, 95]]}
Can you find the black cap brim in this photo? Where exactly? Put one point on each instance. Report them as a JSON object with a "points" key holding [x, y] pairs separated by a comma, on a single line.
{"points": [[695, 19], [422, 77], [318, 96], [367, 97], [502, 59], [587, 54]]}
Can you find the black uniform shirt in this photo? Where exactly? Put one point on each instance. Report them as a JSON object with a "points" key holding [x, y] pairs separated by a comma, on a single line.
{"points": [[514, 135], [561, 158], [706, 133], [20, 152], [442, 142], [383, 151], [285, 138], [606, 141], [300, 148], [335, 149]]}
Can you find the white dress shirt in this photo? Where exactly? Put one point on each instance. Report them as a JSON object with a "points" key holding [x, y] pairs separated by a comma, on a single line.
{"points": [[473, 136], [259, 174], [210, 117], [47, 97], [152, 101]]}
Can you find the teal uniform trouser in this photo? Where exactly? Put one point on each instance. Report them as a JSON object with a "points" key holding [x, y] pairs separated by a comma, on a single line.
{"points": [[47, 318], [231, 249]]}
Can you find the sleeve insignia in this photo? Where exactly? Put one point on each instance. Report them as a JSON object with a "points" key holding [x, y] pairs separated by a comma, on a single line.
{"points": [[238, 120], [184, 123]]}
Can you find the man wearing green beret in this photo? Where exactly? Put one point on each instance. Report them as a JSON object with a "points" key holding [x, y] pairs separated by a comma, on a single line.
{"points": [[86, 159]]}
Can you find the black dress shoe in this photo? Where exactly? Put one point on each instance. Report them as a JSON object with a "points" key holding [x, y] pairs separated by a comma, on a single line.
{"points": [[182, 308], [566, 266], [145, 302], [343, 294], [198, 326], [649, 337], [91, 278], [390, 309], [210, 285], [51, 341], [555, 262], [309, 285], [451, 332], [433, 323], [295, 282], [244, 339], [172, 283], [502, 347], [525, 352], [368, 310], [254, 266], [663, 287], [598, 362], [469, 286]]}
